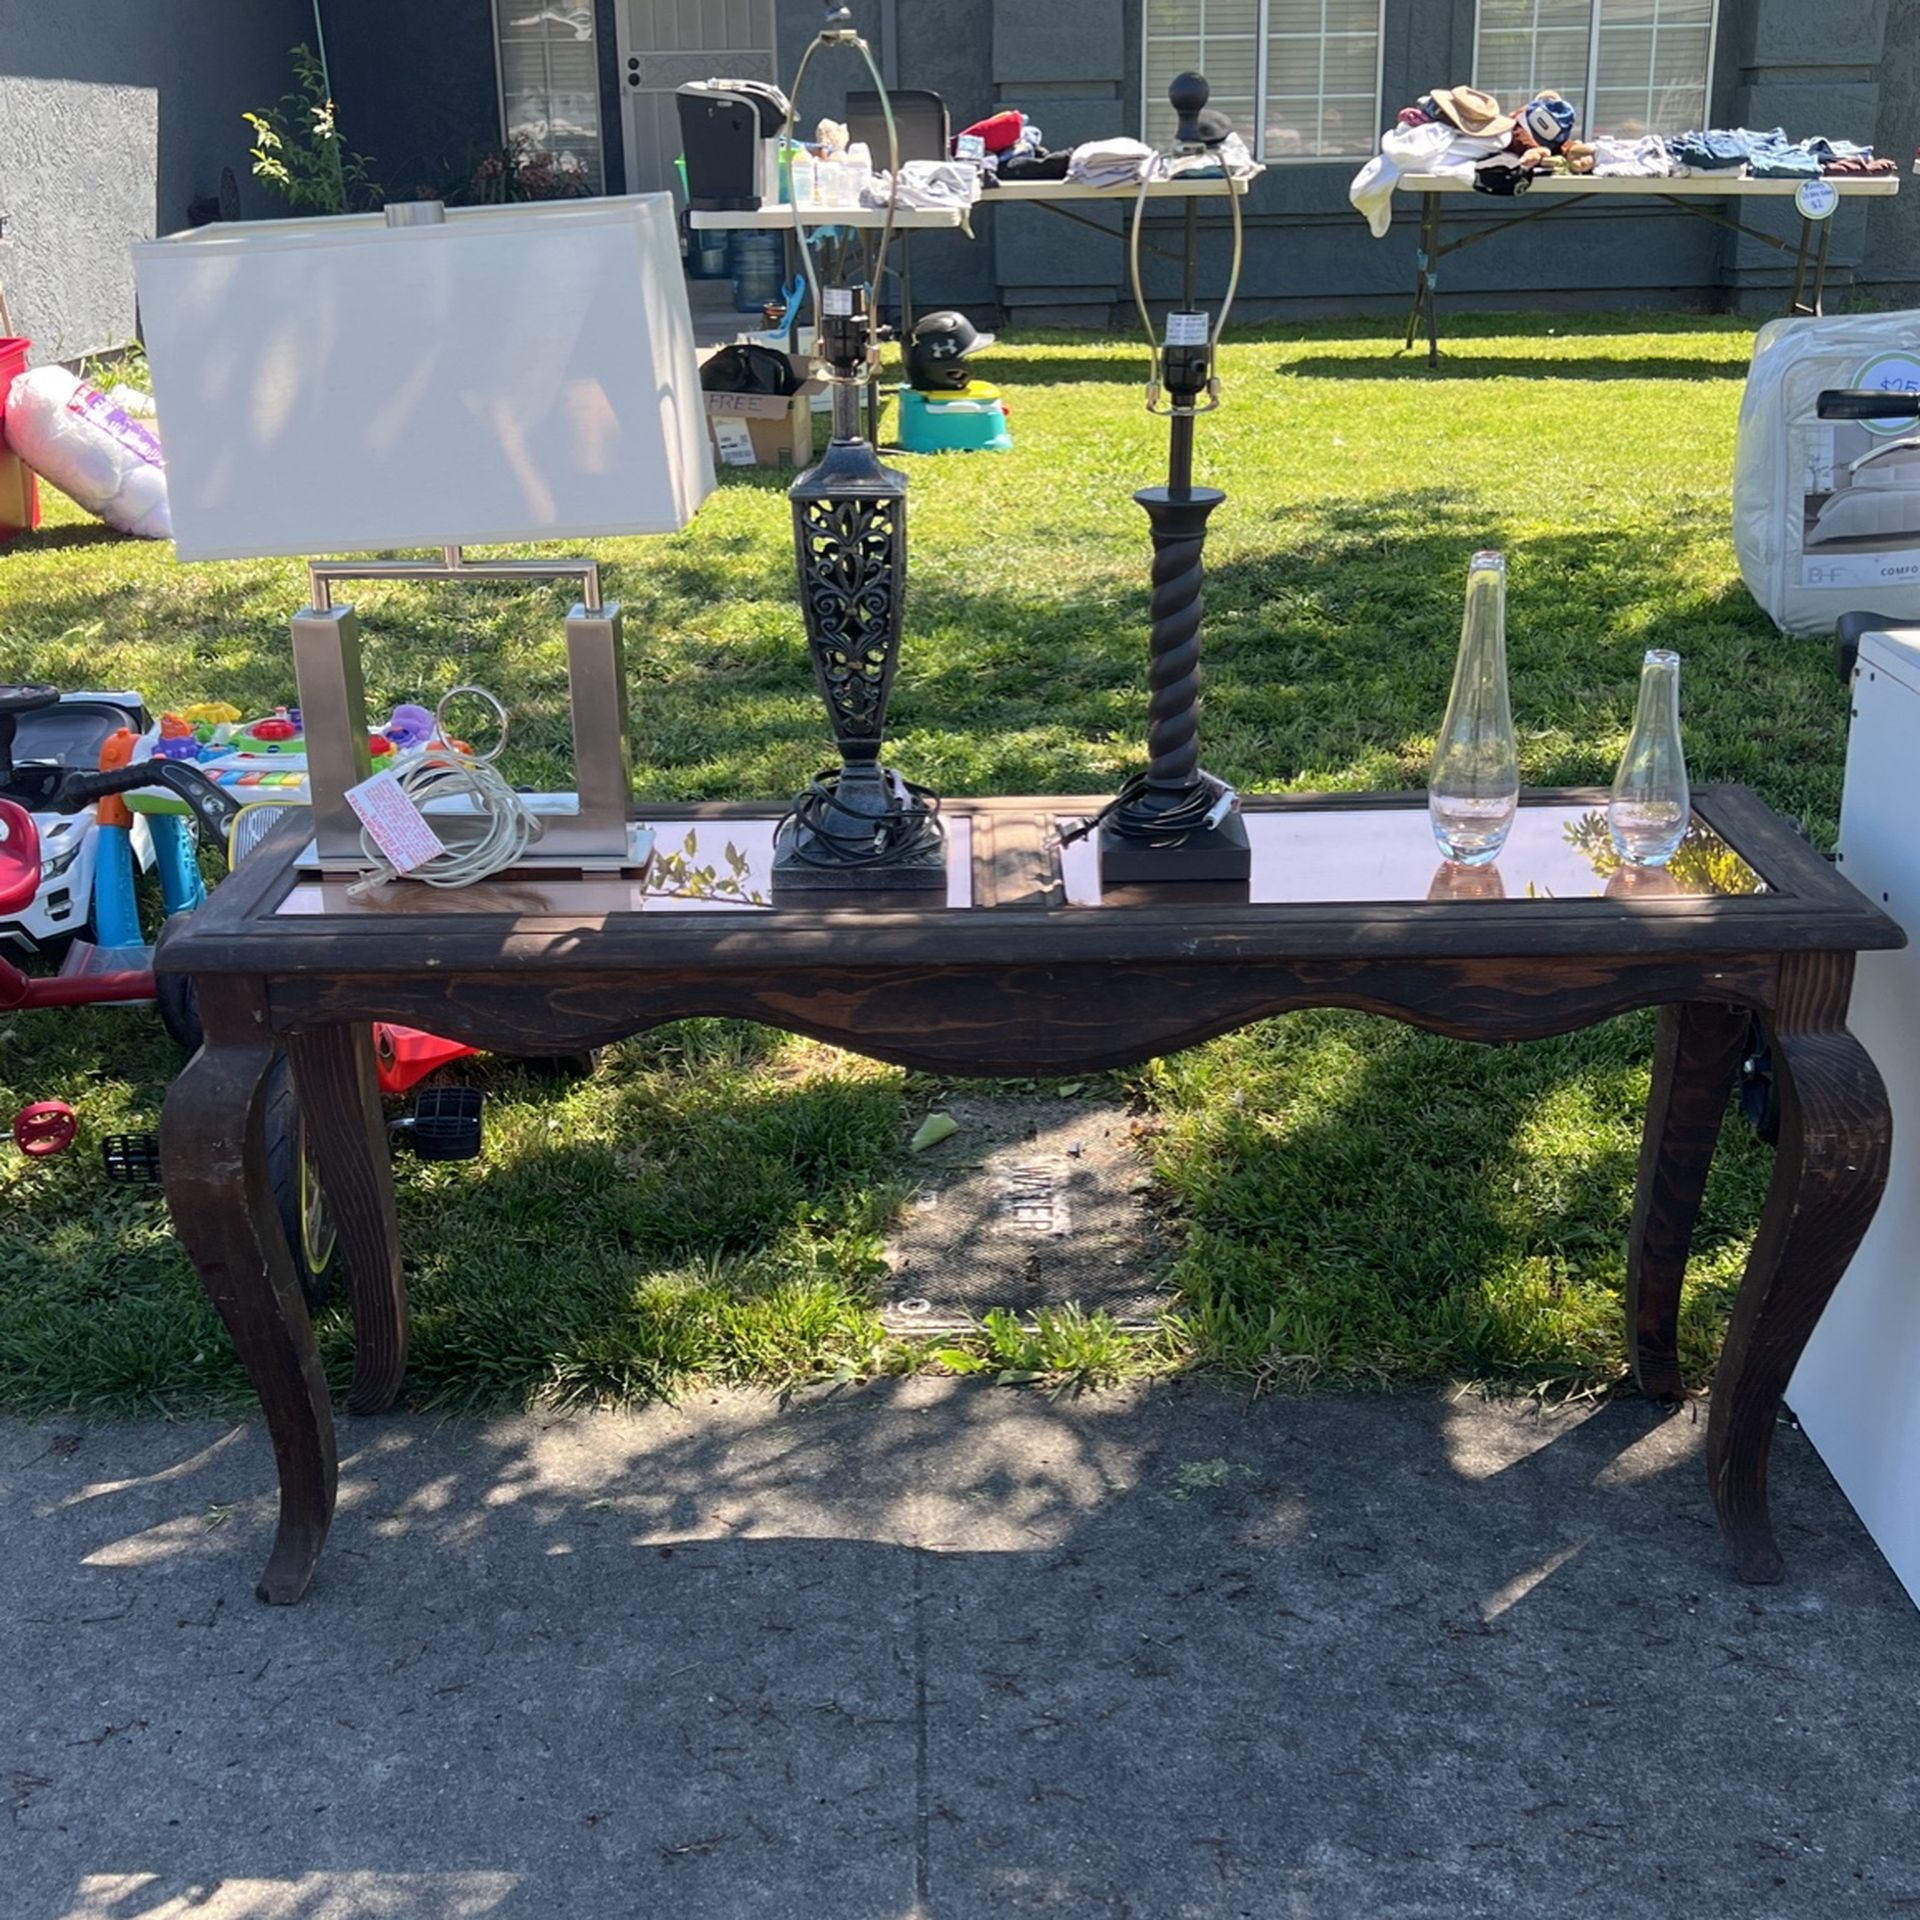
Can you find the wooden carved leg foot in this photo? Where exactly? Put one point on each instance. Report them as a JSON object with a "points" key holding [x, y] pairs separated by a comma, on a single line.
{"points": [[214, 1157], [1830, 1167], [333, 1071], [1693, 1067]]}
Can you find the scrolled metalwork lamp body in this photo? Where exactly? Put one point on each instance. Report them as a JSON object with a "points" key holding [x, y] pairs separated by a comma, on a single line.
{"points": [[859, 826]]}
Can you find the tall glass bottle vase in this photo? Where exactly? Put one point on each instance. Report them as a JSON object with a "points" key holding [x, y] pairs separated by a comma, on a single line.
{"points": [[1473, 791], [1651, 808]]}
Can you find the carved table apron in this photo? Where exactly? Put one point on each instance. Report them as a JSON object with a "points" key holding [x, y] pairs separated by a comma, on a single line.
{"points": [[1025, 970]]}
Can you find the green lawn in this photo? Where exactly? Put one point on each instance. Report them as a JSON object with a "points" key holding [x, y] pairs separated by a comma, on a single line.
{"points": [[1347, 1200]]}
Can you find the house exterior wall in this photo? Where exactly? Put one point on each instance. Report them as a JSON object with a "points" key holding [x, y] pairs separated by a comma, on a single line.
{"points": [[112, 119], [418, 88], [1848, 68]]}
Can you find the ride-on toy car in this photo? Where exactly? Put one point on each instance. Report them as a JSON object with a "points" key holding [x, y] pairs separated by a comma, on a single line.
{"points": [[45, 788], [70, 734]]}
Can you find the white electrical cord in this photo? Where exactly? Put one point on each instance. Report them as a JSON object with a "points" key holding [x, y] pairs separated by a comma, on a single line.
{"points": [[440, 770]]}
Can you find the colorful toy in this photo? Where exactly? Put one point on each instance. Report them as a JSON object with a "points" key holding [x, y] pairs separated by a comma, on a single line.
{"points": [[45, 1128], [68, 734], [99, 975]]}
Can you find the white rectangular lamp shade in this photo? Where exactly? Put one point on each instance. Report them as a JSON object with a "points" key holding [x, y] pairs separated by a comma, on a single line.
{"points": [[518, 373]]}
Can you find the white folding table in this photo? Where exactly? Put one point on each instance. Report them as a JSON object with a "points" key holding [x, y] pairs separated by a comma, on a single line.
{"points": [[1063, 197], [1557, 192]]}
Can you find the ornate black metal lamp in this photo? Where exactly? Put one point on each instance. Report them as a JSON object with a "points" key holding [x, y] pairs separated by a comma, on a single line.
{"points": [[859, 826], [1177, 822]]}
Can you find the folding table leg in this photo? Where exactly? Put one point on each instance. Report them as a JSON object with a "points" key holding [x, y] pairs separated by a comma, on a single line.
{"points": [[1426, 261], [1797, 303], [1800, 303], [1820, 264]]}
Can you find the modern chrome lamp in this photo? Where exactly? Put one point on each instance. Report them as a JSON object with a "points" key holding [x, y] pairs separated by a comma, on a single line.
{"points": [[359, 385]]}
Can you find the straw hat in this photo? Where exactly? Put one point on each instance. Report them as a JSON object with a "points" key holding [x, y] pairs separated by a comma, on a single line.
{"points": [[1473, 111]]}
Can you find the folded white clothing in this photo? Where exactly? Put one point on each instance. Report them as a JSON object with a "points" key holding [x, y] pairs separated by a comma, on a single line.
{"points": [[1112, 163], [1644, 159], [927, 185]]}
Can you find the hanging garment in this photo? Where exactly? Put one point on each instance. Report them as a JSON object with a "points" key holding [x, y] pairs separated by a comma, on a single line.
{"points": [[1433, 147]]}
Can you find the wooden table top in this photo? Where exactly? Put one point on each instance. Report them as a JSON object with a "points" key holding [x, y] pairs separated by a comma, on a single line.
{"points": [[1351, 875]]}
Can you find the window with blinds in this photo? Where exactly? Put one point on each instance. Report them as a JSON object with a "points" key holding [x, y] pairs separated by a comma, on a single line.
{"points": [[1299, 78], [550, 83], [1626, 67]]}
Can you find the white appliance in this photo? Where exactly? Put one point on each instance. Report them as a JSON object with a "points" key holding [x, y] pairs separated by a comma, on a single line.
{"points": [[1856, 1390], [1823, 523]]}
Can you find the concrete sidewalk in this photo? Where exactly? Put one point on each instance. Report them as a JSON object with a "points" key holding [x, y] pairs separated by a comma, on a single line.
{"points": [[942, 1650]]}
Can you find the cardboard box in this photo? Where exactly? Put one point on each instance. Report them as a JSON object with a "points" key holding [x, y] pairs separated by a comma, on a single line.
{"points": [[762, 429]]}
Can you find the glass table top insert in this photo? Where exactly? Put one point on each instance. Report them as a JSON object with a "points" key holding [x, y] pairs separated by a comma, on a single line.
{"points": [[1304, 856], [707, 866], [1301, 856]]}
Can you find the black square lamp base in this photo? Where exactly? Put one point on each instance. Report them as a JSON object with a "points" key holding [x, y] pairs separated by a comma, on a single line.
{"points": [[921, 869], [1207, 853]]}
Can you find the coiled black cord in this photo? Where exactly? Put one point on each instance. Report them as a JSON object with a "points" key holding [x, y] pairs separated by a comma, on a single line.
{"points": [[1166, 826], [909, 829]]}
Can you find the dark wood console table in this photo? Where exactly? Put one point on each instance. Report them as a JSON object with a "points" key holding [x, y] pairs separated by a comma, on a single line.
{"points": [[1025, 969]]}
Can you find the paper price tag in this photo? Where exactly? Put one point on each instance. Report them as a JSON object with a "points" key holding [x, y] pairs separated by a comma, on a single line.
{"points": [[1186, 329], [394, 822], [970, 146], [837, 300], [734, 439]]}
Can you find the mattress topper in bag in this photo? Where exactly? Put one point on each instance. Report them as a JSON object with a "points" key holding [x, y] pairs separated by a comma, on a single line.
{"points": [[1826, 513]]}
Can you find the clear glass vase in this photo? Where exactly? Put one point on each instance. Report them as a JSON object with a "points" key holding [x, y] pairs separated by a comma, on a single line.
{"points": [[1473, 791], [1648, 816]]}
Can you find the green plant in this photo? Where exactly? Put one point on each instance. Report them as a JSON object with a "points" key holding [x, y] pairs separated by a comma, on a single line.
{"points": [[298, 150]]}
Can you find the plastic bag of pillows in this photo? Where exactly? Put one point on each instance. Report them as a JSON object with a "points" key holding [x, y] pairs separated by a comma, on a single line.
{"points": [[76, 439]]}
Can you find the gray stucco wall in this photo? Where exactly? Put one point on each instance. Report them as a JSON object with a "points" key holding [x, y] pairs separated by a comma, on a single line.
{"points": [[418, 88], [113, 116], [1891, 271], [1848, 68]]}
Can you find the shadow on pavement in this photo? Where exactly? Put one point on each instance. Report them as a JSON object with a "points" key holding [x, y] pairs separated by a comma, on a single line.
{"points": [[929, 1649]]}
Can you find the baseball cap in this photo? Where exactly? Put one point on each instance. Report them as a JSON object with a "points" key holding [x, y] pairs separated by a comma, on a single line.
{"points": [[1548, 120]]}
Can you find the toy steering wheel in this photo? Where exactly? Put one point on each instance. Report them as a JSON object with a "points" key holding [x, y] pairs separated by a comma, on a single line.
{"points": [[19, 857]]}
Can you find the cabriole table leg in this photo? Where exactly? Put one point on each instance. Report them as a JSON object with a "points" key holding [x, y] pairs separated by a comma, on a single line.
{"points": [[1829, 1170], [335, 1076], [1694, 1062], [213, 1154]]}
